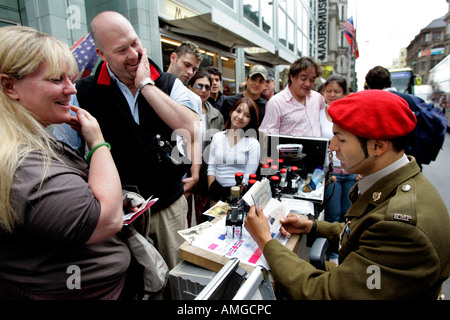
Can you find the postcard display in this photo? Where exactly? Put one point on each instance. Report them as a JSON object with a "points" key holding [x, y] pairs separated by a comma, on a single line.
{"points": [[209, 243]]}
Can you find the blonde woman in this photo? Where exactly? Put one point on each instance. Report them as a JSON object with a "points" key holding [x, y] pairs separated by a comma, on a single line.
{"points": [[58, 213]]}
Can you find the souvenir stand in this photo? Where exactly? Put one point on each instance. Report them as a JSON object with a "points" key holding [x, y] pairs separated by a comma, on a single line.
{"points": [[212, 255]]}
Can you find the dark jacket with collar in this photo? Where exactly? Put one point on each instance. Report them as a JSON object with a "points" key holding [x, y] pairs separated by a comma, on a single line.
{"points": [[132, 144], [229, 101], [394, 246]]}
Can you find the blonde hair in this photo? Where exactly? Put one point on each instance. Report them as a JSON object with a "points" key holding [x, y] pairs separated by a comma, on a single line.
{"points": [[22, 52]]}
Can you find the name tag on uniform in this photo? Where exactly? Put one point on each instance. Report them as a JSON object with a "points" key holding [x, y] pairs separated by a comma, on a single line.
{"points": [[402, 217]]}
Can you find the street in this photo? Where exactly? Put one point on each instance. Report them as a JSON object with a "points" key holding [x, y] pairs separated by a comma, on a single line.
{"points": [[438, 173]]}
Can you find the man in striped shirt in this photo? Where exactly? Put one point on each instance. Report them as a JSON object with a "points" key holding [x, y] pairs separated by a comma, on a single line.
{"points": [[295, 110]]}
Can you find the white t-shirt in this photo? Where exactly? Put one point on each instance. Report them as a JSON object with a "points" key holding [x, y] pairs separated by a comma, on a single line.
{"points": [[225, 161]]}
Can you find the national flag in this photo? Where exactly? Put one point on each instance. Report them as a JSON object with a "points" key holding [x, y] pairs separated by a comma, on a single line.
{"points": [[85, 55], [350, 34]]}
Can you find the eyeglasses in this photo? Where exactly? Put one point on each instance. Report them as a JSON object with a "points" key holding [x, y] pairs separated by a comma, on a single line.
{"points": [[199, 86]]}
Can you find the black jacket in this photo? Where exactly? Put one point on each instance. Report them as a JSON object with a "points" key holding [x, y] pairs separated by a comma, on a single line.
{"points": [[132, 145]]}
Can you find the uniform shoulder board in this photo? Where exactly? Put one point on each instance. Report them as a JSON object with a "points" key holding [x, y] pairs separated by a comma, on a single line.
{"points": [[403, 205]]}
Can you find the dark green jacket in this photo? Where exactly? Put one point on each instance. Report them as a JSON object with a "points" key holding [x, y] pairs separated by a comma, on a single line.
{"points": [[396, 245]]}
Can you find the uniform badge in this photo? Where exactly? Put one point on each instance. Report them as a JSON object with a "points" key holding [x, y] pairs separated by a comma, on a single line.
{"points": [[376, 196]]}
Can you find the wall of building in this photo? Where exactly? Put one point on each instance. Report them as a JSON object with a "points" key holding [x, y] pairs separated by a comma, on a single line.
{"points": [[236, 34]]}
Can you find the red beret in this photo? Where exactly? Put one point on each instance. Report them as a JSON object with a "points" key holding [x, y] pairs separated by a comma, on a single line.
{"points": [[373, 114]]}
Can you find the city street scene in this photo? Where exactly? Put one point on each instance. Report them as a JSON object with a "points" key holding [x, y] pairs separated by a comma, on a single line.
{"points": [[240, 153]]}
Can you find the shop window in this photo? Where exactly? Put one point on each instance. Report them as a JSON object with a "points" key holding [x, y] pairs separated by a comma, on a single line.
{"points": [[168, 46], [229, 76]]}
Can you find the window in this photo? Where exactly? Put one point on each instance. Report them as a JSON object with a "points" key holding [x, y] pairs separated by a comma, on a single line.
{"points": [[424, 65], [229, 76], [229, 3], [282, 34], [291, 34], [267, 16], [299, 43], [436, 36], [251, 11]]}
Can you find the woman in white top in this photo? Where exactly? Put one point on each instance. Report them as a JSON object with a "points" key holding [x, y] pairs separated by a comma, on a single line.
{"points": [[234, 150], [212, 122]]}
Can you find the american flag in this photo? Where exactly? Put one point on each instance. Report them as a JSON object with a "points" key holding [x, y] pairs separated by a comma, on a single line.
{"points": [[350, 34], [85, 55]]}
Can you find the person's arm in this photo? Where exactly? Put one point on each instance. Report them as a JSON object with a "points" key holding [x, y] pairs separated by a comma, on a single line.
{"points": [[175, 115], [103, 180], [190, 182], [257, 225], [195, 155]]}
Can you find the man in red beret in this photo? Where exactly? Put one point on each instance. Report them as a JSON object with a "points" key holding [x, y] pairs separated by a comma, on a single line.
{"points": [[394, 244]]}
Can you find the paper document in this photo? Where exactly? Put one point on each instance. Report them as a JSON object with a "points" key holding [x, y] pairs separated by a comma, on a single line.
{"points": [[214, 240], [218, 211], [213, 237], [130, 217], [262, 194]]}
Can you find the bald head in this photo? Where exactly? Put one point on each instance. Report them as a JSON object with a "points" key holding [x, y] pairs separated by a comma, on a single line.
{"points": [[107, 23], [117, 44]]}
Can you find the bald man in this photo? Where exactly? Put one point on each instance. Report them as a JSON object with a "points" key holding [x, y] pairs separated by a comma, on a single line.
{"points": [[135, 103]]}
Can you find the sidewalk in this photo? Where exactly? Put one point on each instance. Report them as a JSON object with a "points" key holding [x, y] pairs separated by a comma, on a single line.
{"points": [[439, 174]]}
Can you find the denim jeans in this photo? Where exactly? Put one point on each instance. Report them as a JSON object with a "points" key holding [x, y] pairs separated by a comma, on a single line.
{"points": [[339, 204]]}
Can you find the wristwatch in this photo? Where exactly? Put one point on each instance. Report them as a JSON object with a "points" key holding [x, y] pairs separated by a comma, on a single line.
{"points": [[314, 226], [147, 81]]}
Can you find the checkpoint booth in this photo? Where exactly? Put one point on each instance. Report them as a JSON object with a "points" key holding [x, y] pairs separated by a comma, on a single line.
{"points": [[217, 266]]}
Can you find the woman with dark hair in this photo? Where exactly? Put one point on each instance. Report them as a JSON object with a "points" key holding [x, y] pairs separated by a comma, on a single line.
{"points": [[212, 122], [236, 149]]}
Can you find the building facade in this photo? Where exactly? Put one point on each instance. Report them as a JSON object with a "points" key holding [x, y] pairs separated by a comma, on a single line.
{"points": [[428, 48], [233, 34]]}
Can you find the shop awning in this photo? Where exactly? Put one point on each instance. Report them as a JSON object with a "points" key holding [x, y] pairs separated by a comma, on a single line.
{"points": [[217, 28], [203, 27]]}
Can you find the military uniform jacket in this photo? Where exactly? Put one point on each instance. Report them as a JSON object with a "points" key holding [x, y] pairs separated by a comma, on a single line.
{"points": [[395, 245]]}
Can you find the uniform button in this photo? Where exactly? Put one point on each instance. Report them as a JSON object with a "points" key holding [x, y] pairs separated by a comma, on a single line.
{"points": [[406, 188]]}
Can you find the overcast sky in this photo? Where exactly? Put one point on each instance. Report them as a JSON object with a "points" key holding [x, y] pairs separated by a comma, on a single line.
{"points": [[383, 27]]}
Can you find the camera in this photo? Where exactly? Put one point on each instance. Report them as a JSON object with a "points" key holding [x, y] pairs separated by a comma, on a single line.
{"points": [[163, 150]]}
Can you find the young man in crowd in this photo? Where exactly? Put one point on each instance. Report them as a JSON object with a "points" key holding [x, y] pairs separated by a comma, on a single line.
{"points": [[255, 84], [216, 97]]}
